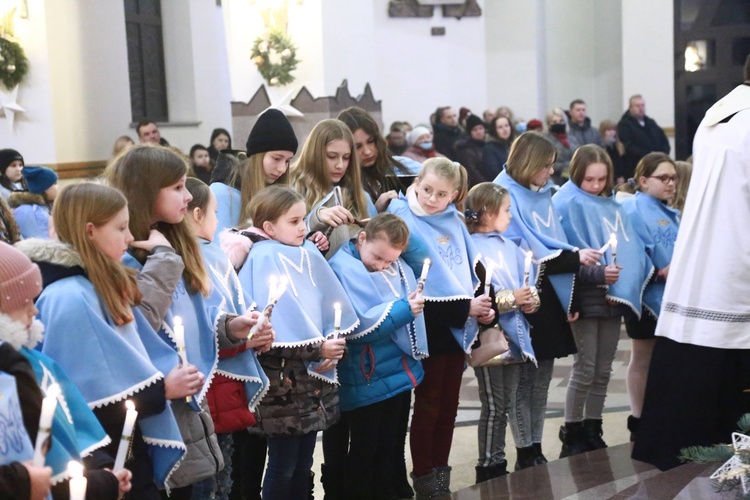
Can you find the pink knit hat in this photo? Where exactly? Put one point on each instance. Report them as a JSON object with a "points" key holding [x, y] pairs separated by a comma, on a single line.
{"points": [[20, 279]]}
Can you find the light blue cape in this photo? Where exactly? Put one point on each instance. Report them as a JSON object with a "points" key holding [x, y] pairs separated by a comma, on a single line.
{"points": [[453, 258], [507, 261], [588, 222], [108, 363], [536, 222], [15, 445], [657, 225], [227, 296], [201, 342], [373, 295], [304, 314]]}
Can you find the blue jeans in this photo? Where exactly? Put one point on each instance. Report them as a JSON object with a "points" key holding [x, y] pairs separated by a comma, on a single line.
{"points": [[290, 459], [497, 390], [530, 404]]}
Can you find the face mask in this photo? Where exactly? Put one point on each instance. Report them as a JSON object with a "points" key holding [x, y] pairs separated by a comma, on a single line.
{"points": [[557, 128], [609, 141], [425, 145]]}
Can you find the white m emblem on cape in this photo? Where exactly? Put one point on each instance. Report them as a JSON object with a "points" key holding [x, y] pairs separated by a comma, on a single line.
{"points": [[300, 269], [612, 228], [550, 222]]}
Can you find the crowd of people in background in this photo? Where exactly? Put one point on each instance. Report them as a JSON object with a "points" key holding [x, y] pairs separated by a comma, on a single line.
{"points": [[507, 212]]}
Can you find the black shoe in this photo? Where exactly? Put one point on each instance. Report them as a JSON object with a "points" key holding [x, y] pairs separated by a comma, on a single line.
{"points": [[633, 424], [573, 437], [539, 458], [491, 472], [594, 432], [526, 458]]}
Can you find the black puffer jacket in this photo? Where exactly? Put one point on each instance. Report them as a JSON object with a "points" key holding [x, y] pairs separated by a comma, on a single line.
{"points": [[592, 294], [639, 140]]}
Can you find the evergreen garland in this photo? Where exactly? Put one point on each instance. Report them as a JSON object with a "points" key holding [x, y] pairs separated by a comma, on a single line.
{"points": [[13, 63], [276, 57]]}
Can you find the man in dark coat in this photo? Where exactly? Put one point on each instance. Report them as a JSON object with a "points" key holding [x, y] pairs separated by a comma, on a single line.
{"points": [[639, 134], [447, 132]]}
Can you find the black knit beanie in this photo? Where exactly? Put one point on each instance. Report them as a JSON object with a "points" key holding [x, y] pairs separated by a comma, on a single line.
{"points": [[473, 121], [8, 156], [272, 132]]}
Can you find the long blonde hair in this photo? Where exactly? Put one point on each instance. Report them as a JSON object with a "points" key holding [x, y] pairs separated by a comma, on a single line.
{"points": [[251, 177], [684, 173], [310, 176], [76, 206], [140, 172], [451, 171]]}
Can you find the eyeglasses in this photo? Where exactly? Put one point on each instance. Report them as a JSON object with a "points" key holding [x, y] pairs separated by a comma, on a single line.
{"points": [[665, 179]]}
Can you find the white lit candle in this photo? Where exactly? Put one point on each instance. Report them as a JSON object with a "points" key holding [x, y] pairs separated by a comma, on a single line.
{"points": [[273, 281], [77, 481], [488, 278], [423, 276], [527, 268], [179, 339], [273, 298], [613, 245], [45, 423], [127, 436], [336, 319]]}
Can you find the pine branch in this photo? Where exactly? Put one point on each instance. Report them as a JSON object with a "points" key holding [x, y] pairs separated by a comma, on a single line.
{"points": [[706, 454], [744, 423]]}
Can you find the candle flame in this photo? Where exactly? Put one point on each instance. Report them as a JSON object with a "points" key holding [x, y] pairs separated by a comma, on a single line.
{"points": [[427, 262], [337, 306], [75, 469], [129, 405], [530, 254], [53, 391], [284, 281], [177, 321], [273, 280]]}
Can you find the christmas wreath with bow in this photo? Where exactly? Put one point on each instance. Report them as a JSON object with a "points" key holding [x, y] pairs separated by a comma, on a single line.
{"points": [[13, 63], [276, 57]]}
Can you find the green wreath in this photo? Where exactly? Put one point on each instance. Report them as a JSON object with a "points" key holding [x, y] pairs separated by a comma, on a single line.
{"points": [[13, 63], [276, 57]]}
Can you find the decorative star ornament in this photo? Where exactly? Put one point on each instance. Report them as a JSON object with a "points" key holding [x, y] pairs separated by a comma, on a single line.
{"points": [[285, 106], [737, 467], [9, 107]]}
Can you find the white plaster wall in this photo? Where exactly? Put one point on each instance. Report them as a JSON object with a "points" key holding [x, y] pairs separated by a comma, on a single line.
{"points": [[514, 45], [89, 77], [416, 72], [197, 71], [607, 98], [33, 133], [648, 57]]}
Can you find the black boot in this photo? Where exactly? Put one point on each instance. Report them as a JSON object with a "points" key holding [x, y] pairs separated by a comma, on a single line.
{"points": [[539, 458], [525, 458], [332, 483], [311, 496], [594, 433], [633, 423], [573, 437], [491, 472]]}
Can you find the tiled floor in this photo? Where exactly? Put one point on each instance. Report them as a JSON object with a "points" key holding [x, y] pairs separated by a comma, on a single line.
{"points": [[464, 450]]}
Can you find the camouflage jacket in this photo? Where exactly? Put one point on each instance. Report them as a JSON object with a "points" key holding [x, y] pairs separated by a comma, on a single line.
{"points": [[296, 403]]}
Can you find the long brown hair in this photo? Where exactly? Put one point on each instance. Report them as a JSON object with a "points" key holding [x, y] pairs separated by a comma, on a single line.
{"points": [[76, 206], [684, 173], [381, 177], [9, 231], [272, 203], [310, 176], [529, 154], [648, 165], [140, 172], [484, 201], [585, 156]]}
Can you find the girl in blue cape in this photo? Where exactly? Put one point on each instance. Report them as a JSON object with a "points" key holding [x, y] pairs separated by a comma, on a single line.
{"points": [[487, 217], [240, 382], [302, 398], [157, 218], [384, 351], [327, 174], [590, 216], [657, 225], [76, 433], [452, 311], [270, 146], [536, 223], [96, 335]]}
